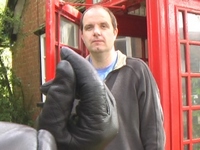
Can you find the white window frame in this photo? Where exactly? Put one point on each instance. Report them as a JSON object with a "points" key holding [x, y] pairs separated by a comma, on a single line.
{"points": [[43, 61]]}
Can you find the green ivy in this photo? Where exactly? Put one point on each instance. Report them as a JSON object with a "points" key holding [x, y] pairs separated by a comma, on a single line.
{"points": [[12, 103], [13, 107]]}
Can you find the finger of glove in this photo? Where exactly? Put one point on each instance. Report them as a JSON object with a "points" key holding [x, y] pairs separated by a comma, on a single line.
{"points": [[59, 102], [90, 88], [45, 87], [85, 73], [96, 110]]}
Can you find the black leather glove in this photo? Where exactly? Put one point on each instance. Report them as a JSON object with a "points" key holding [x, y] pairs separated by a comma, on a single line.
{"points": [[15, 136], [95, 123]]}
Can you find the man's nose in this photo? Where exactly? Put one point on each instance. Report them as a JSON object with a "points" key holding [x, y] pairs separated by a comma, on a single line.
{"points": [[97, 31]]}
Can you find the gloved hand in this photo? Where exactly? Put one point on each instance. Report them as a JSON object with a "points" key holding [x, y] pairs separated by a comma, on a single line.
{"points": [[15, 136], [95, 123]]}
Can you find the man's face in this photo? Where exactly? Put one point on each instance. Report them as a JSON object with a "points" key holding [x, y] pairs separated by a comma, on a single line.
{"points": [[98, 33]]}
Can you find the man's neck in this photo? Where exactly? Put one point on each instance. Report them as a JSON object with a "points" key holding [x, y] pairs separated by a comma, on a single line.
{"points": [[102, 60]]}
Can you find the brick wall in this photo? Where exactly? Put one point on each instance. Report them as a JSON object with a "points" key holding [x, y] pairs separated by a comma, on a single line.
{"points": [[26, 51]]}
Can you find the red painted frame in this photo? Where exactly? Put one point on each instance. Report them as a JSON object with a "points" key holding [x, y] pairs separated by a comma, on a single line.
{"points": [[159, 60], [188, 75], [50, 39], [176, 107], [54, 10]]}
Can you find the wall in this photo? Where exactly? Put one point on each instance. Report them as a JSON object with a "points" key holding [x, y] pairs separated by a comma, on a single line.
{"points": [[26, 52]]}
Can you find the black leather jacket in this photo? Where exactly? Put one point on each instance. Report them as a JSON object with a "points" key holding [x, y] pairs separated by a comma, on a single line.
{"points": [[138, 105]]}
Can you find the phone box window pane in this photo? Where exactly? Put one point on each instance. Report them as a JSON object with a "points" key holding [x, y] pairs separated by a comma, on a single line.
{"points": [[136, 46], [185, 125], [194, 26], [184, 92], [195, 93], [68, 33], [195, 58], [196, 123], [183, 58], [180, 25], [120, 44]]}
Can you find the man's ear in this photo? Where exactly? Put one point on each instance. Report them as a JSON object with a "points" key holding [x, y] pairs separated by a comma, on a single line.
{"points": [[116, 32]]}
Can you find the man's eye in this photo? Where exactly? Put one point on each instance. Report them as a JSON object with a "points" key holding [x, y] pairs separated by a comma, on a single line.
{"points": [[104, 26], [88, 28]]}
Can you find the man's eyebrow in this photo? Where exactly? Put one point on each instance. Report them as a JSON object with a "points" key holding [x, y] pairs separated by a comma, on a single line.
{"points": [[104, 22], [100, 23], [89, 24]]}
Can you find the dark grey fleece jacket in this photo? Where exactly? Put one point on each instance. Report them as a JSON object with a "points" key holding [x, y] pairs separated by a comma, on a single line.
{"points": [[138, 103]]}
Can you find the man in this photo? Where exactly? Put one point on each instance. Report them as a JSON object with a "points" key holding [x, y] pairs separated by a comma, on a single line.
{"points": [[129, 80]]}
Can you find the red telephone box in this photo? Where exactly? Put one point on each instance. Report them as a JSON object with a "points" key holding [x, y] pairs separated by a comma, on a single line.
{"points": [[166, 35]]}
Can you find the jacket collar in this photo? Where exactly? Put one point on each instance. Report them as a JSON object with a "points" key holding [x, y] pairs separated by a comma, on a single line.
{"points": [[121, 60]]}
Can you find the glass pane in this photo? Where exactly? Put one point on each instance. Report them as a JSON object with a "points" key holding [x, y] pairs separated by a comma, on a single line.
{"points": [[195, 87], [68, 33], [185, 125], [130, 46], [186, 147], [180, 25], [96, 1], [195, 58], [136, 45], [196, 146], [194, 26], [196, 123], [120, 44], [141, 11], [56, 27], [184, 92], [183, 57]]}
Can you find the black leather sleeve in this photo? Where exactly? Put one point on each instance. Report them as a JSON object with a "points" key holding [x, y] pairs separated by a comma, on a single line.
{"points": [[95, 123]]}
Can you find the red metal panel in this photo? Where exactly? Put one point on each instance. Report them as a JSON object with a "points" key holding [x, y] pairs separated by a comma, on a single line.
{"points": [[50, 39], [71, 13], [88, 2], [114, 2], [159, 59], [176, 75], [132, 25]]}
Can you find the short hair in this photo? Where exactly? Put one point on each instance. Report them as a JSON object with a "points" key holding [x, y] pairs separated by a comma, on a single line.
{"points": [[112, 16]]}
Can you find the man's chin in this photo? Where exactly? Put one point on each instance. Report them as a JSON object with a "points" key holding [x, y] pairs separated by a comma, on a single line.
{"points": [[98, 50]]}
